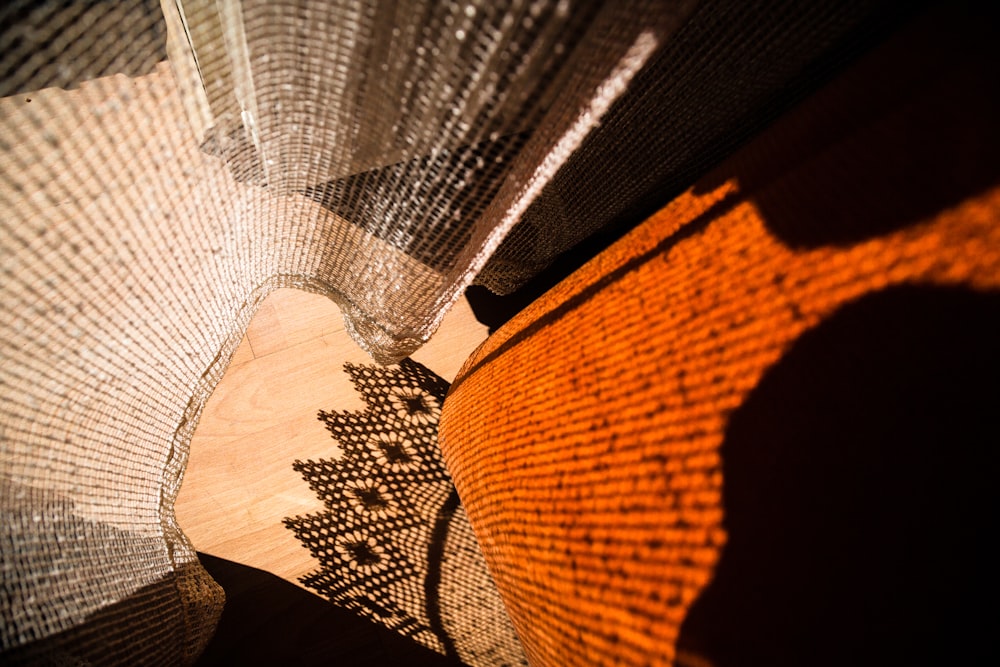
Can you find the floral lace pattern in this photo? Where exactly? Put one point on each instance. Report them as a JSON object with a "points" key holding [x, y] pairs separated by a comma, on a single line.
{"points": [[393, 452], [393, 541], [362, 553], [415, 406]]}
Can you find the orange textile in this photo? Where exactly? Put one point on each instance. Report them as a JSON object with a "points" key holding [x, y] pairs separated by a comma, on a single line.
{"points": [[591, 437]]}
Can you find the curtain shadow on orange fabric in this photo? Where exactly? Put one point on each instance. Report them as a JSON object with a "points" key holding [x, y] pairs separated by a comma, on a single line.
{"points": [[786, 345], [859, 492]]}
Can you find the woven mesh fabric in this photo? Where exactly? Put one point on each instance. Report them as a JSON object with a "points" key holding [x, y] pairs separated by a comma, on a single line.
{"points": [[621, 443], [427, 129], [372, 152], [730, 69]]}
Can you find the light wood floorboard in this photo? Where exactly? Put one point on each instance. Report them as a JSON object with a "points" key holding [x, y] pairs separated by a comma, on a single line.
{"points": [[240, 484]]}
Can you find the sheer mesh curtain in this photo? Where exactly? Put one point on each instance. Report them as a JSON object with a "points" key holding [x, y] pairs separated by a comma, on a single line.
{"points": [[374, 152], [428, 127]]}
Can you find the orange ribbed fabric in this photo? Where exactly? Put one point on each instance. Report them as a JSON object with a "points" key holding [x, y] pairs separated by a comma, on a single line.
{"points": [[584, 436]]}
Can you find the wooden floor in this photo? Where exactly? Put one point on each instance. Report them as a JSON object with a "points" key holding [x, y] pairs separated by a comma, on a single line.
{"points": [[240, 484]]}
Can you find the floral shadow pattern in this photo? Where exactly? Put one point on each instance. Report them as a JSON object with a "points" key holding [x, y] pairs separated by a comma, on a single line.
{"points": [[394, 543]]}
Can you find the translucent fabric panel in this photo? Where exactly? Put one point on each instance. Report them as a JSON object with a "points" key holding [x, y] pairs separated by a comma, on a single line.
{"points": [[428, 127], [372, 152]]}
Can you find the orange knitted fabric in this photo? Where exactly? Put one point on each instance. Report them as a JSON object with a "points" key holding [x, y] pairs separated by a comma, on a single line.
{"points": [[586, 437]]}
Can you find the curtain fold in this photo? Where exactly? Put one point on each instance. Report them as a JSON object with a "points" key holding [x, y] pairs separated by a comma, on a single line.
{"points": [[428, 127], [372, 152]]}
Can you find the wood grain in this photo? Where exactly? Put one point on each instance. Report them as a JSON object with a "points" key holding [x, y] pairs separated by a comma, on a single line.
{"points": [[240, 484]]}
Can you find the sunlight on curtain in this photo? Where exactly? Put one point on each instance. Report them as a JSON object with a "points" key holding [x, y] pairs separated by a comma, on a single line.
{"points": [[428, 128], [377, 153]]}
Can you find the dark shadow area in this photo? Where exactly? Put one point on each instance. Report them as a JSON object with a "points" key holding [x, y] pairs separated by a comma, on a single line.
{"points": [[62, 43], [269, 621], [147, 627], [460, 183], [904, 134], [728, 72], [495, 310], [859, 497]]}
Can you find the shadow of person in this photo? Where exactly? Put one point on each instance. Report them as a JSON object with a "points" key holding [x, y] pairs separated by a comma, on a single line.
{"points": [[858, 493]]}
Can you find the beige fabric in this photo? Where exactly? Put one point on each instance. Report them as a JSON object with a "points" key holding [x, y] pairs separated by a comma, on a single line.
{"points": [[376, 154], [431, 127]]}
